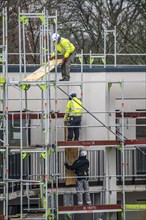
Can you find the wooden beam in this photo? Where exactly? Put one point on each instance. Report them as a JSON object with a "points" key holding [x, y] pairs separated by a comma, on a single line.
{"points": [[70, 156], [42, 71]]}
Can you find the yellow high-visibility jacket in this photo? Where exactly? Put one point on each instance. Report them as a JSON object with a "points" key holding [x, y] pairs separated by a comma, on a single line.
{"points": [[65, 47], [73, 108]]}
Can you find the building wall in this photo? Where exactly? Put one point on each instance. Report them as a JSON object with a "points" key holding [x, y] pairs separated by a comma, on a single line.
{"points": [[97, 98], [134, 94]]}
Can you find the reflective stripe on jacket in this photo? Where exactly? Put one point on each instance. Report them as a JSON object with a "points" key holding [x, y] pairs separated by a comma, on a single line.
{"points": [[65, 47], [73, 108]]}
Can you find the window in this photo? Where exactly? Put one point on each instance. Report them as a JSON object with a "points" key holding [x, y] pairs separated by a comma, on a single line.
{"points": [[141, 151]]}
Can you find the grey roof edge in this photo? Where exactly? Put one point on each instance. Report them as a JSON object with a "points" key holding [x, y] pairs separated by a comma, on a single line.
{"points": [[86, 68]]}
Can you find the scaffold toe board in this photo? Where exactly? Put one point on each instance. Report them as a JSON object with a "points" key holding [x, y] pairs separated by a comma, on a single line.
{"points": [[28, 115], [90, 209], [131, 114], [43, 70], [89, 143], [107, 143]]}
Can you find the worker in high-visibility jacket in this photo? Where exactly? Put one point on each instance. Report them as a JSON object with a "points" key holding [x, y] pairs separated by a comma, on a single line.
{"points": [[67, 49], [73, 116]]}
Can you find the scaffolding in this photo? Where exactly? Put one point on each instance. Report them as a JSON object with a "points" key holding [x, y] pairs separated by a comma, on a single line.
{"points": [[41, 186], [4, 113]]}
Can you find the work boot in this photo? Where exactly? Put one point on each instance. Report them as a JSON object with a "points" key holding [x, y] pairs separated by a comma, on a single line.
{"points": [[64, 79], [88, 204], [79, 203], [69, 139]]}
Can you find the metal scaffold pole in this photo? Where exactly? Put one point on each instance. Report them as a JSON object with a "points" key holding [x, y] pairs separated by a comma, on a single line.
{"points": [[46, 110], [123, 150], [7, 110], [114, 54], [4, 116], [21, 107], [23, 20], [45, 104]]}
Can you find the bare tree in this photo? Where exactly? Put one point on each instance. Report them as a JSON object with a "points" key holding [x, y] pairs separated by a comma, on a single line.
{"points": [[83, 22]]}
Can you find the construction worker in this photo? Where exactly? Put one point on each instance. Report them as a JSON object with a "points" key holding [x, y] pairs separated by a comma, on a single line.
{"points": [[80, 167], [73, 116], [67, 49]]}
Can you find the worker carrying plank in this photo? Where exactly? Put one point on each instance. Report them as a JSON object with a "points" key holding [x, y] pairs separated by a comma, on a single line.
{"points": [[81, 167], [67, 49], [73, 114]]}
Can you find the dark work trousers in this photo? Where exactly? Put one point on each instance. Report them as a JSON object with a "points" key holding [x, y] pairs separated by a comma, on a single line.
{"points": [[74, 131], [83, 187], [65, 67]]}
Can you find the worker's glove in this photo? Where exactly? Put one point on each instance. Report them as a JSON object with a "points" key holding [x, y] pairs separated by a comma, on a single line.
{"points": [[64, 59], [65, 164], [52, 58], [65, 119]]}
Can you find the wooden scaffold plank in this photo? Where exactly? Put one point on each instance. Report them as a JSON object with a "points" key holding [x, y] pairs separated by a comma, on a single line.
{"points": [[70, 156], [42, 71]]}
